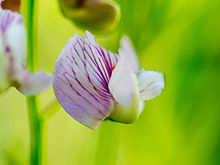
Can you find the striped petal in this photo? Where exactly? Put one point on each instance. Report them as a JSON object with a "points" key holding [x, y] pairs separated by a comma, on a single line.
{"points": [[151, 84], [110, 59], [82, 74]]}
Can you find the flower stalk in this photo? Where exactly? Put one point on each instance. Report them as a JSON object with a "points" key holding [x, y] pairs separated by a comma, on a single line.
{"points": [[35, 128], [35, 124]]}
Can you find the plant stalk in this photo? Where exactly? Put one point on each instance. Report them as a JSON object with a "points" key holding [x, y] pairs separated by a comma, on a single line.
{"points": [[35, 129], [35, 124]]}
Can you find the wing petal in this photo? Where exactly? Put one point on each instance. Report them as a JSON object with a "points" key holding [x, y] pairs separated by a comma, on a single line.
{"points": [[31, 84], [151, 84]]}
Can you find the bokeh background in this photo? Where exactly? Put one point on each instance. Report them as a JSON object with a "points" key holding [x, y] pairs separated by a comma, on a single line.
{"points": [[182, 126]]}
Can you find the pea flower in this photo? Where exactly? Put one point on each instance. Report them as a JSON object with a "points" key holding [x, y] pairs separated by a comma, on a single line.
{"points": [[98, 16], [93, 84], [13, 57]]}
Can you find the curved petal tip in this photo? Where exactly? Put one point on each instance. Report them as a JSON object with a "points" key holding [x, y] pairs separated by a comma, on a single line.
{"points": [[32, 84], [151, 84]]}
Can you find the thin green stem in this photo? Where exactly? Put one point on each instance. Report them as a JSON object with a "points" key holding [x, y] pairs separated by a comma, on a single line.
{"points": [[30, 34], [35, 124]]}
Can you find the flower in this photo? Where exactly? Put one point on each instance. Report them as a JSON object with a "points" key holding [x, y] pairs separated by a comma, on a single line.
{"points": [[98, 16], [13, 57], [93, 84]]}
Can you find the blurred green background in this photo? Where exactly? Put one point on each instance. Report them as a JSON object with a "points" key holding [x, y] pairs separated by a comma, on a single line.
{"points": [[182, 126]]}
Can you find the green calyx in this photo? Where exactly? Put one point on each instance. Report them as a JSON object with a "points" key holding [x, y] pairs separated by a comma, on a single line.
{"points": [[128, 114], [96, 16]]}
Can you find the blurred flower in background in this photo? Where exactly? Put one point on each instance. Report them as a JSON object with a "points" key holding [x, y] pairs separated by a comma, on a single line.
{"points": [[13, 57], [92, 83], [13, 5], [97, 16]]}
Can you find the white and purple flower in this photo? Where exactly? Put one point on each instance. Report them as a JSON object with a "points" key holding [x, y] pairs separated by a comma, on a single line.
{"points": [[13, 57], [93, 84]]}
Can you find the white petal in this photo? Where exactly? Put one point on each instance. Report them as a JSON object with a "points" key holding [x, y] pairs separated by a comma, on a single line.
{"points": [[4, 65], [32, 84], [121, 83], [128, 113], [15, 36], [129, 52], [151, 84]]}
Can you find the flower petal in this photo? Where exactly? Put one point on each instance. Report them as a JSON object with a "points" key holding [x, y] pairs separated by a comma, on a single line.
{"points": [[129, 52], [110, 59], [16, 40], [151, 84], [31, 84], [128, 113], [121, 84], [81, 81], [4, 65], [7, 17], [13, 33]]}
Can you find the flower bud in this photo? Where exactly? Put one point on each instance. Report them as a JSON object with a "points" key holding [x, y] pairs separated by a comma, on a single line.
{"points": [[13, 5], [94, 15]]}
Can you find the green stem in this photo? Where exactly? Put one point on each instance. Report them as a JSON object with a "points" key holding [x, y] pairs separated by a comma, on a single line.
{"points": [[35, 124], [30, 39], [108, 143]]}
